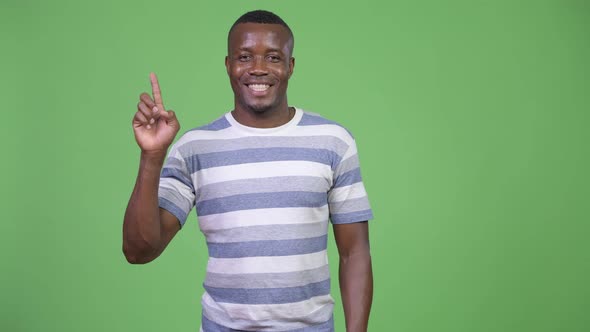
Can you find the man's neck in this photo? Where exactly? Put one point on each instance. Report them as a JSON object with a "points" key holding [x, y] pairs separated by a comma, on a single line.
{"points": [[266, 119]]}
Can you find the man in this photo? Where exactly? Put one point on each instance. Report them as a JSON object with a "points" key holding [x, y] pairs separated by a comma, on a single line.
{"points": [[265, 179]]}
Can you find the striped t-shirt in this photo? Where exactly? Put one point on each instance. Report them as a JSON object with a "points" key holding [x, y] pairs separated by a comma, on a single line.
{"points": [[264, 198]]}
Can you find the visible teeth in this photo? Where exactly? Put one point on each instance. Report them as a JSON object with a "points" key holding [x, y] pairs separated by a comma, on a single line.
{"points": [[259, 87]]}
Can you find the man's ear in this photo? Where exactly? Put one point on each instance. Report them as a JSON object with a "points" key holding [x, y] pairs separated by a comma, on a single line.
{"points": [[227, 64], [291, 66]]}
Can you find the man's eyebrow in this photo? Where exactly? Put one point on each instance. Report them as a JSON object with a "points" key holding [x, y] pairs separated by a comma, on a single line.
{"points": [[275, 50]]}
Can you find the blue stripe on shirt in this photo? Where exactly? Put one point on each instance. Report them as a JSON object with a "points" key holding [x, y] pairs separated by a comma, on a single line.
{"points": [[268, 247]]}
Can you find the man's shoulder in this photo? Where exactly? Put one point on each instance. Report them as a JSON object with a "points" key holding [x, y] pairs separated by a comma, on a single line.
{"points": [[210, 130], [321, 123], [218, 124]]}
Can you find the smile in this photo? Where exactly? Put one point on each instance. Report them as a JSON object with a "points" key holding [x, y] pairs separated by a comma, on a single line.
{"points": [[258, 87]]}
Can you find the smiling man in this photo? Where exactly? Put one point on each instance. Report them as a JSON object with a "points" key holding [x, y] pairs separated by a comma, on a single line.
{"points": [[266, 180]]}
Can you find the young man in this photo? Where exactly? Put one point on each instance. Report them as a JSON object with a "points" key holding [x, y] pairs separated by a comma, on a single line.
{"points": [[265, 179]]}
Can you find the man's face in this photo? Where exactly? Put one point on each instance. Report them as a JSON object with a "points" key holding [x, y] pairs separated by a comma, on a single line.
{"points": [[259, 65]]}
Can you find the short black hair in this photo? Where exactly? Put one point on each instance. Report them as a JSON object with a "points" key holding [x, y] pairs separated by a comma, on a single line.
{"points": [[262, 17]]}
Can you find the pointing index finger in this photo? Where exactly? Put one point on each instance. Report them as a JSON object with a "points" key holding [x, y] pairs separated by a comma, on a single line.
{"points": [[156, 90]]}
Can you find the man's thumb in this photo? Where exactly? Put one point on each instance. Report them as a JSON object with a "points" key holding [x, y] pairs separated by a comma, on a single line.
{"points": [[168, 115]]}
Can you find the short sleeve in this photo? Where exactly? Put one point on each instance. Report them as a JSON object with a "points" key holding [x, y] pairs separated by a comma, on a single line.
{"points": [[347, 199], [176, 192]]}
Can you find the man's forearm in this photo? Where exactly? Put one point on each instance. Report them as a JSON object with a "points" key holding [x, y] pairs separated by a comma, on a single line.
{"points": [[356, 287], [141, 226]]}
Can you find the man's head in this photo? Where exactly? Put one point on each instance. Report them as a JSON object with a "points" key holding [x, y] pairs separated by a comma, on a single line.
{"points": [[260, 61]]}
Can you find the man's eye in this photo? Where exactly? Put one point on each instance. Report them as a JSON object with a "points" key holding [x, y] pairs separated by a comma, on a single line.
{"points": [[274, 58], [244, 57]]}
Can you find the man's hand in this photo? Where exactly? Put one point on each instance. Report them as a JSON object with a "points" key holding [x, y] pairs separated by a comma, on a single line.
{"points": [[153, 126]]}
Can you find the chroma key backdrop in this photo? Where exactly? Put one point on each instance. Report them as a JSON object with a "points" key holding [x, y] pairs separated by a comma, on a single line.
{"points": [[471, 120]]}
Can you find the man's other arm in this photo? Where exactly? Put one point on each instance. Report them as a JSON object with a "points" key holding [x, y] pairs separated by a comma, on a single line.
{"points": [[355, 273]]}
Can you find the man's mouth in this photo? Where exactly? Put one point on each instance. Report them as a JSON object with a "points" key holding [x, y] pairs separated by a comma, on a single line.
{"points": [[258, 87]]}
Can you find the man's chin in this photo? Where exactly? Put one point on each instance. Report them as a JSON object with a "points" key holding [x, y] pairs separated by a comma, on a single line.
{"points": [[258, 108]]}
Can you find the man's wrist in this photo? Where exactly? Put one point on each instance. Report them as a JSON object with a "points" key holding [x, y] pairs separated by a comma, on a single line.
{"points": [[152, 159]]}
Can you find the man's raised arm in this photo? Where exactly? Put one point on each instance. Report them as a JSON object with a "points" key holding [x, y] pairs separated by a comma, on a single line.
{"points": [[147, 229]]}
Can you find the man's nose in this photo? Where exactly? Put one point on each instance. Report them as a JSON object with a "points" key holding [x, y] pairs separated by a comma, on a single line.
{"points": [[258, 67]]}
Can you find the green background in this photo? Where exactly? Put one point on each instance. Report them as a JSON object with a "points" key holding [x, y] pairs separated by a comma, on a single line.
{"points": [[471, 119]]}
